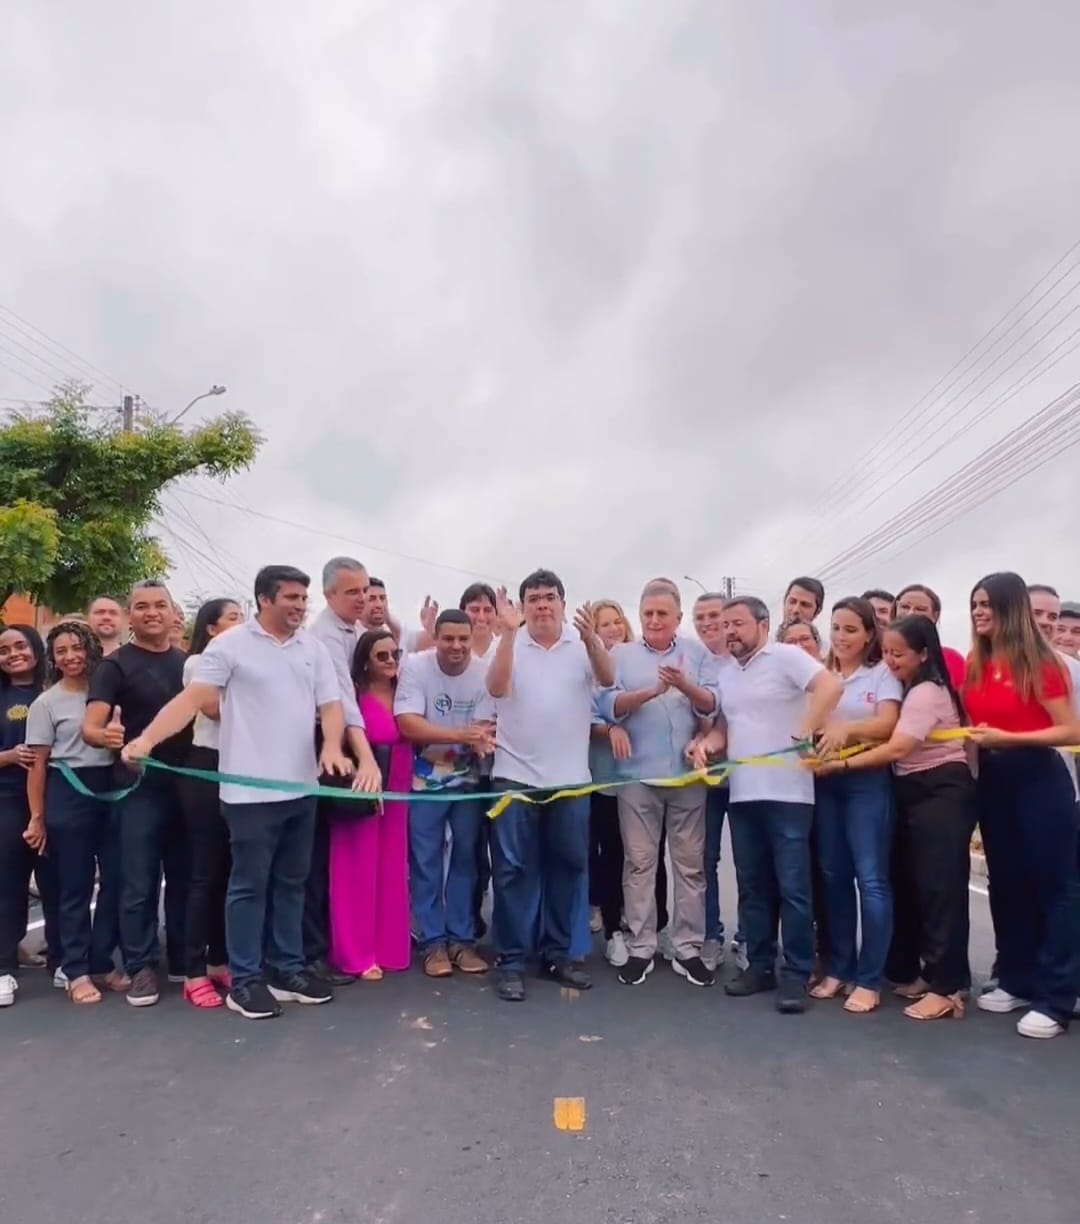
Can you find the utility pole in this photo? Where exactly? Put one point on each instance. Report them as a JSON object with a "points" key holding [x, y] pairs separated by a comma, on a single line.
{"points": [[729, 587], [128, 411]]}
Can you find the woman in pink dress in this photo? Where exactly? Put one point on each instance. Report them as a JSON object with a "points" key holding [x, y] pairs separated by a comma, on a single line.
{"points": [[369, 855]]}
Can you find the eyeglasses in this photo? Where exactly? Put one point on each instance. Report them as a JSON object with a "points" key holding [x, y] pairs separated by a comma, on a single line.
{"points": [[386, 656]]}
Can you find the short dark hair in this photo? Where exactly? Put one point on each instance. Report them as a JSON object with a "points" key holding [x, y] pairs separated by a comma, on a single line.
{"points": [[935, 599], [475, 592], [452, 616], [541, 578], [1040, 588], [270, 579], [148, 584], [757, 608], [709, 596], [376, 582], [878, 593], [864, 610], [814, 585]]}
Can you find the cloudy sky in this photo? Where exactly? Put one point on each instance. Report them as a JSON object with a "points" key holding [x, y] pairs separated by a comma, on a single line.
{"points": [[615, 286]]}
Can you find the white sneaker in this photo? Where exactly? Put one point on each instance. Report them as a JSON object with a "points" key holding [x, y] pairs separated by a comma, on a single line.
{"points": [[1001, 1001], [8, 987], [60, 980], [596, 921], [712, 953], [1036, 1024], [616, 951], [665, 946]]}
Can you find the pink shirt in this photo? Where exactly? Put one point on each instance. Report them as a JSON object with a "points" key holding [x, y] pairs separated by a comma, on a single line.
{"points": [[928, 707]]}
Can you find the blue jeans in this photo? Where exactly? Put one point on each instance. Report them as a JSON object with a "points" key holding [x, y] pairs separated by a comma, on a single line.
{"points": [[264, 907], [1027, 814], [152, 837], [444, 911], [854, 824], [539, 863], [83, 834], [716, 805], [770, 840]]}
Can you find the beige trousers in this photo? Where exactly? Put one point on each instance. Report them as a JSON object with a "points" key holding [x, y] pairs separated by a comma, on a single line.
{"points": [[643, 813]]}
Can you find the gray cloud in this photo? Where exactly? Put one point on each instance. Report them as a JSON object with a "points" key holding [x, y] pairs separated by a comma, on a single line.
{"points": [[621, 288]]}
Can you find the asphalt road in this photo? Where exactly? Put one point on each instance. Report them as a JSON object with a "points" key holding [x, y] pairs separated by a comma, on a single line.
{"points": [[406, 1102]]}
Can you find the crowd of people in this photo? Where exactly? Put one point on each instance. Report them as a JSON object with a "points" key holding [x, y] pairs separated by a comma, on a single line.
{"points": [[319, 802]]}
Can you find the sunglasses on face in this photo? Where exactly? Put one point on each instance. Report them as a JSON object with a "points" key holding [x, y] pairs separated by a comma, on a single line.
{"points": [[386, 656]]}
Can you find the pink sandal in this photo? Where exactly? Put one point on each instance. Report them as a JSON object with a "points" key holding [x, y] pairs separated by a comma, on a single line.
{"points": [[203, 994]]}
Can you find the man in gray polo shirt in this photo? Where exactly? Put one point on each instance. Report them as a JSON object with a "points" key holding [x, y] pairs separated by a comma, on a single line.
{"points": [[345, 584], [272, 678]]}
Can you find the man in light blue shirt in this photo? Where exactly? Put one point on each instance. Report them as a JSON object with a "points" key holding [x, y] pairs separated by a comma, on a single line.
{"points": [[665, 686]]}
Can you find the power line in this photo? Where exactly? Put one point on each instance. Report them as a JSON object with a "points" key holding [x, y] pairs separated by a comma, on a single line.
{"points": [[333, 535], [1021, 444], [25, 327], [869, 458]]}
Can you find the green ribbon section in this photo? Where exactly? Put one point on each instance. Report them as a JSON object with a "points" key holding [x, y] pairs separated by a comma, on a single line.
{"points": [[454, 795]]}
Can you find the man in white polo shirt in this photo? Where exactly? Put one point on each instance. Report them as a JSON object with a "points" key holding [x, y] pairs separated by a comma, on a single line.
{"points": [[772, 696], [543, 681], [272, 678]]}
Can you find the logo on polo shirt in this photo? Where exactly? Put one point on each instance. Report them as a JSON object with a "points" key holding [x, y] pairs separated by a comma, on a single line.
{"points": [[443, 703]]}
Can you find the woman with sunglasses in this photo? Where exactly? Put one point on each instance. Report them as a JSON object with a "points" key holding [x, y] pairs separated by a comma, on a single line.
{"points": [[22, 678], [81, 833], [369, 853]]}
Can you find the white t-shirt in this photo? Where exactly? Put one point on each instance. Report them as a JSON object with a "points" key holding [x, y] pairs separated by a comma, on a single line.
{"points": [[864, 689], [764, 703], [206, 732], [544, 724], [447, 701]]}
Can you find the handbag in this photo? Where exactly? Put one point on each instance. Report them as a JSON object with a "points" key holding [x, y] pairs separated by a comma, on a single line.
{"points": [[353, 809]]}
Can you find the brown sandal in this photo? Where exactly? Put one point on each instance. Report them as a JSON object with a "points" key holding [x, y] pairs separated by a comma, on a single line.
{"points": [[83, 991], [824, 991], [857, 1008], [949, 1005]]}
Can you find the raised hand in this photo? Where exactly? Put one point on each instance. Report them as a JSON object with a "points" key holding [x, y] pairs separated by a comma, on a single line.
{"points": [[429, 614], [585, 622], [507, 612]]}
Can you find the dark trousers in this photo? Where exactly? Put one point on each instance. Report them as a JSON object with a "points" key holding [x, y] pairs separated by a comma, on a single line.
{"points": [[83, 835], [208, 847], [1027, 813], [264, 909], [716, 806], [17, 863], [152, 838], [483, 863], [853, 821], [770, 840], [931, 867], [539, 860], [316, 927], [606, 860]]}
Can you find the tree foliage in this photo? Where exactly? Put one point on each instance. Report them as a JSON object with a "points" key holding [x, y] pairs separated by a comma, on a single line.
{"points": [[78, 496]]}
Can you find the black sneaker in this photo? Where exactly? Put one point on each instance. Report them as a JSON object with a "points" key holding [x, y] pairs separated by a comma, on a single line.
{"points": [[567, 974], [693, 969], [791, 997], [299, 988], [253, 1001], [325, 973], [143, 991], [750, 982], [636, 970], [511, 988]]}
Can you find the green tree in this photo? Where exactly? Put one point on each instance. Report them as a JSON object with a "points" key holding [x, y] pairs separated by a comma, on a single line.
{"points": [[78, 496]]}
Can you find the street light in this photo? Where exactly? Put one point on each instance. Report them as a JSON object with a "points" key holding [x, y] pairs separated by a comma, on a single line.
{"points": [[214, 390], [696, 581]]}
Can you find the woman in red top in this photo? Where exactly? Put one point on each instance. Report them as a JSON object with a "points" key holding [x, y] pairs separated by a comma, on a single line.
{"points": [[1018, 698]]}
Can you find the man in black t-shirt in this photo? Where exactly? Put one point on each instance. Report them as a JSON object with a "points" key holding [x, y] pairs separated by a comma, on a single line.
{"points": [[126, 692]]}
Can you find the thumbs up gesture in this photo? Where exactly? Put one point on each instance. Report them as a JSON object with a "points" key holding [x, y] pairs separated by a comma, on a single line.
{"points": [[114, 730]]}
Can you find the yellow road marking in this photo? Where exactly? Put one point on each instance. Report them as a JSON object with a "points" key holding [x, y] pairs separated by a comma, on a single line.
{"points": [[570, 1113]]}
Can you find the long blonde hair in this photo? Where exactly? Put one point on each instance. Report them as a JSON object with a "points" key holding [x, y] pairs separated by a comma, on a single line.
{"points": [[603, 604]]}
